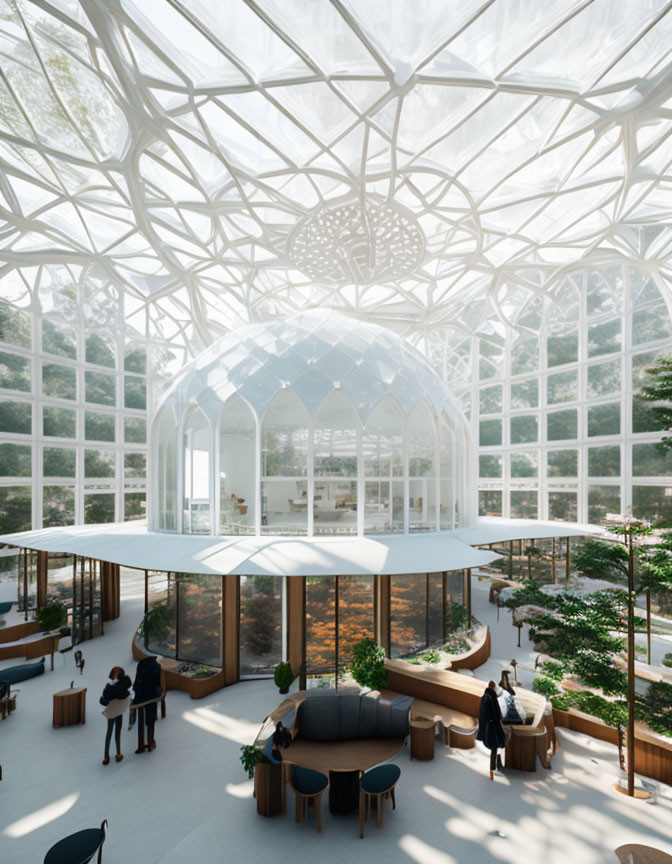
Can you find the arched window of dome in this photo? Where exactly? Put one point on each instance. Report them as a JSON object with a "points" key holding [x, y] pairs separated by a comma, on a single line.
{"points": [[384, 461], [166, 437], [237, 467], [335, 459], [447, 488], [422, 469], [284, 466], [197, 453]]}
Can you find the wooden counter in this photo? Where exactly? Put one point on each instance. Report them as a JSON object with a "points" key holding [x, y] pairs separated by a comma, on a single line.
{"points": [[70, 707]]}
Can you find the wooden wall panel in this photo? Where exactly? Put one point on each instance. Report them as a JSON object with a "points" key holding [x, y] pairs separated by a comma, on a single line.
{"points": [[295, 623], [382, 588], [41, 579], [110, 590], [230, 627]]}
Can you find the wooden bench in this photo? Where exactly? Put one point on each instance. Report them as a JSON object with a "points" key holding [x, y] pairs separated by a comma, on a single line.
{"points": [[535, 739]]}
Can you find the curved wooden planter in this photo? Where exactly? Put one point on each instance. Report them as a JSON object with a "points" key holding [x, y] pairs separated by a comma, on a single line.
{"points": [[197, 688], [478, 654], [461, 693], [653, 755]]}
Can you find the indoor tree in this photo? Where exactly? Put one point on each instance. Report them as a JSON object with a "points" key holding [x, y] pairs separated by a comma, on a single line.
{"points": [[658, 390]]}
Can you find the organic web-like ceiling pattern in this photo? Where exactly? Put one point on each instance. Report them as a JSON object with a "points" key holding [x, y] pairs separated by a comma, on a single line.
{"points": [[423, 162]]}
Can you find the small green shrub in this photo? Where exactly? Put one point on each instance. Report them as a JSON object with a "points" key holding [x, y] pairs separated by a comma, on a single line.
{"points": [[251, 757], [611, 713], [283, 676], [431, 657], [53, 616], [552, 669], [457, 618], [656, 707], [457, 646], [667, 660], [368, 664], [641, 649], [545, 686]]}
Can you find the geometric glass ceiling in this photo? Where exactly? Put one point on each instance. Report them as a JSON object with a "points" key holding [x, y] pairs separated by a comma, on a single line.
{"points": [[421, 163]]}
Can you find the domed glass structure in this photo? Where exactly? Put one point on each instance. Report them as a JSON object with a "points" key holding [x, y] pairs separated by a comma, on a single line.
{"points": [[315, 424]]}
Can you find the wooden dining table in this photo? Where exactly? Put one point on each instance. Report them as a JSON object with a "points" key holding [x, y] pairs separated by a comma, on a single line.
{"points": [[343, 762]]}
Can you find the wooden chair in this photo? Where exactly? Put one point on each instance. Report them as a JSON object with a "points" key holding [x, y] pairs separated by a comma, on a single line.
{"points": [[308, 787], [7, 699], [377, 783]]}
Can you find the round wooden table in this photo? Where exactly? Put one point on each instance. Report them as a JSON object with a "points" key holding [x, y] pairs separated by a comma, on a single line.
{"points": [[422, 738]]}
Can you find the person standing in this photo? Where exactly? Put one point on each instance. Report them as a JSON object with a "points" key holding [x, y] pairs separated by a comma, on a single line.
{"points": [[147, 691], [116, 699], [490, 726]]}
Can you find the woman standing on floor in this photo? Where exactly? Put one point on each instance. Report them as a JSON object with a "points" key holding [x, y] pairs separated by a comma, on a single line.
{"points": [[490, 727], [115, 698], [147, 689]]}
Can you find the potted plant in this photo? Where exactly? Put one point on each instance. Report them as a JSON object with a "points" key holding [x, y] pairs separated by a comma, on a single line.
{"points": [[53, 616], [368, 664], [283, 676], [267, 780]]}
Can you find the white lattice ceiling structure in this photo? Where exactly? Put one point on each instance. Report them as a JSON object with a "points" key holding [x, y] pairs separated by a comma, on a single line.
{"points": [[419, 162]]}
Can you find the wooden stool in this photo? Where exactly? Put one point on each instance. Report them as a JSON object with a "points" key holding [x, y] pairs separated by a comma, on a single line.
{"points": [[422, 738], [70, 707]]}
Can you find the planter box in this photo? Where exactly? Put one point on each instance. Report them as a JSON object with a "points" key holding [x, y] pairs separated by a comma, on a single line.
{"points": [[653, 754]]}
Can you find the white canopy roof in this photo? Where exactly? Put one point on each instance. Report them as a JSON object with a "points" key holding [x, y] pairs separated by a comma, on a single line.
{"points": [[492, 529], [132, 545]]}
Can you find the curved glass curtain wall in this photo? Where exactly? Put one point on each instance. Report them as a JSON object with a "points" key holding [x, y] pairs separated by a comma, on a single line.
{"points": [[330, 476], [184, 618], [553, 398]]}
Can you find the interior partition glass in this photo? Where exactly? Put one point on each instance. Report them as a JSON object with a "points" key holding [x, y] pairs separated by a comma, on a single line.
{"points": [[284, 467], [167, 469], [320, 625], [355, 615], [199, 619], [335, 467], [86, 616], [408, 614], [421, 436], [383, 457], [161, 620], [60, 585], [260, 624], [237, 474], [196, 442], [446, 474]]}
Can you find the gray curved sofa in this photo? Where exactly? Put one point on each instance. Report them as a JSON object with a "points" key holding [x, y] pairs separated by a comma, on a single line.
{"points": [[331, 715], [15, 674]]}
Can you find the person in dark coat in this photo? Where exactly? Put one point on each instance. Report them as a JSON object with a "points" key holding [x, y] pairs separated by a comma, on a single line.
{"points": [[115, 698], [147, 689], [490, 726]]}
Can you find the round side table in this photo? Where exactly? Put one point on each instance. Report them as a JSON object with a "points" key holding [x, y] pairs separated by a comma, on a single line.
{"points": [[422, 738]]}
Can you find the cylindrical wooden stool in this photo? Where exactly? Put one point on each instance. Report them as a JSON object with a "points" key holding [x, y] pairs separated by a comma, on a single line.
{"points": [[70, 706], [422, 738]]}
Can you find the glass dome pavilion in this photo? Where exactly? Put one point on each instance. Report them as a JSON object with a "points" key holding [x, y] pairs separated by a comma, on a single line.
{"points": [[316, 424]]}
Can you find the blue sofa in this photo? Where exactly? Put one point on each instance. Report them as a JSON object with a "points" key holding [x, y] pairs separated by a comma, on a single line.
{"points": [[21, 673], [6, 606]]}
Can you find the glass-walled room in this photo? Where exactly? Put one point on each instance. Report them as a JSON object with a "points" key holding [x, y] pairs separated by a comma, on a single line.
{"points": [[426, 610]]}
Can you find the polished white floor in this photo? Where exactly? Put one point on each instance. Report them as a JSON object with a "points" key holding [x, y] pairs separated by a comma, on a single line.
{"points": [[189, 801]]}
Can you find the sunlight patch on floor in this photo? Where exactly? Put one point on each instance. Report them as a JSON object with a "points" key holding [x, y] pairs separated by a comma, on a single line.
{"points": [[41, 817], [240, 731]]}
